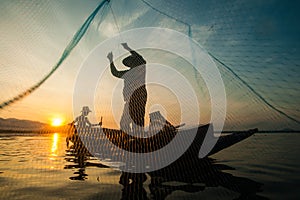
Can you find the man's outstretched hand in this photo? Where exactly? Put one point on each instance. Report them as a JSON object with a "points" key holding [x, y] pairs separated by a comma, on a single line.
{"points": [[110, 56], [125, 45]]}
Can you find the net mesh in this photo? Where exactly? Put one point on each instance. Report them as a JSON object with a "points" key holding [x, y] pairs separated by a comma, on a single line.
{"points": [[255, 45]]}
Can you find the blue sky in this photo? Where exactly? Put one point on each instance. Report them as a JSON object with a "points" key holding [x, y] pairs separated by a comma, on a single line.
{"points": [[258, 40]]}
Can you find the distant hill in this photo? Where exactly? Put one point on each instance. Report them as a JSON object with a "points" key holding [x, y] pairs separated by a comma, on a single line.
{"points": [[21, 125]]}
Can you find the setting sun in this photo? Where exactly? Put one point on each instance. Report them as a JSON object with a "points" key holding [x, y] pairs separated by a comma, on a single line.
{"points": [[56, 122]]}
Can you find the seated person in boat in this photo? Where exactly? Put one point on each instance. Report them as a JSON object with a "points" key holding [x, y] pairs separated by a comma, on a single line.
{"points": [[82, 122]]}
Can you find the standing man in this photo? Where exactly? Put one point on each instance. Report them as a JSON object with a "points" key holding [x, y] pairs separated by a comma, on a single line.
{"points": [[134, 91]]}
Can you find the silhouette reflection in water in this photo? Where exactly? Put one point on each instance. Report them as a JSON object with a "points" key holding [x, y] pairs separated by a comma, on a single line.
{"points": [[198, 174], [133, 186], [190, 175], [78, 154], [80, 160]]}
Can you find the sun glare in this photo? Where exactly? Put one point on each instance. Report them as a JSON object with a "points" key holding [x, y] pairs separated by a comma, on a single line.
{"points": [[56, 122]]}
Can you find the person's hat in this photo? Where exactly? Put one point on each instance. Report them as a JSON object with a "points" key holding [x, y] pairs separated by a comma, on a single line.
{"points": [[131, 61], [128, 61], [86, 109]]}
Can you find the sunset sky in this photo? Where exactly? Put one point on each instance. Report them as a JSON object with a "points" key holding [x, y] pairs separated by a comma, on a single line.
{"points": [[259, 41]]}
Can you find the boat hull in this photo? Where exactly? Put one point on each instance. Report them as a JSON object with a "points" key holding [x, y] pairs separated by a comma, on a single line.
{"points": [[164, 137]]}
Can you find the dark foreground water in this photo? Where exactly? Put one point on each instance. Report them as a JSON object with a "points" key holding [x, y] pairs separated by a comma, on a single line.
{"points": [[264, 166]]}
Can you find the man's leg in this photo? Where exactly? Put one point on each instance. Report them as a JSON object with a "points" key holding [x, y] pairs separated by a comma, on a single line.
{"points": [[126, 119], [137, 109]]}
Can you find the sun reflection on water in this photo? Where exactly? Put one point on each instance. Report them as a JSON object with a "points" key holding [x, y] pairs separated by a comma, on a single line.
{"points": [[55, 138]]}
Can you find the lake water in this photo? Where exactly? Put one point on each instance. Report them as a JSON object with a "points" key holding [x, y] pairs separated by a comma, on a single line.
{"points": [[264, 166]]}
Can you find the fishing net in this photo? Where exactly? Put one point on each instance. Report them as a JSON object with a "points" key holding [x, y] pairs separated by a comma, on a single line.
{"points": [[254, 45]]}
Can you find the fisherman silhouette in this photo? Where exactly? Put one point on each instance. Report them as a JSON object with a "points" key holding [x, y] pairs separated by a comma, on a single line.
{"points": [[82, 122], [134, 91]]}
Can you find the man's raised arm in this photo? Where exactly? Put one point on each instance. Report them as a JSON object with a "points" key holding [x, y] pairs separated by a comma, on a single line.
{"points": [[113, 68], [134, 53]]}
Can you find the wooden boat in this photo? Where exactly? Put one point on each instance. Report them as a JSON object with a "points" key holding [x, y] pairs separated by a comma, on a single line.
{"points": [[165, 134]]}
